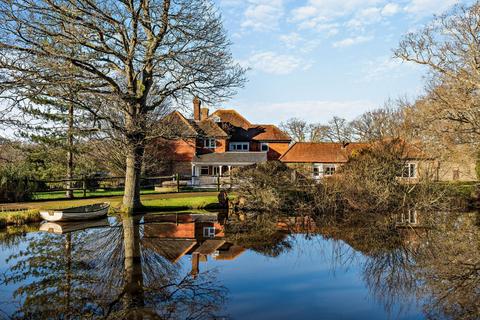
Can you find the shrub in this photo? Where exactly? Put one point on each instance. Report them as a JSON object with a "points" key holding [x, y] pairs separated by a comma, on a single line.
{"points": [[15, 184], [265, 187]]}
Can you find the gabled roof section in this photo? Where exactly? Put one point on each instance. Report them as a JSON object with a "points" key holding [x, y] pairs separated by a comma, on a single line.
{"points": [[233, 117], [210, 128], [179, 126], [258, 132], [269, 132], [320, 152]]}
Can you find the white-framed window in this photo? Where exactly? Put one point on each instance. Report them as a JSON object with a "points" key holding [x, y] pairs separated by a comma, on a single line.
{"points": [[204, 171], [210, 143], [317, 171], [409, 170], [209, 232], [328, 169], [239, 146], [264, 146]]}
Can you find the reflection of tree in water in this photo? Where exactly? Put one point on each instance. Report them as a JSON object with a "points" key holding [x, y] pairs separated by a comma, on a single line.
{"points": [[439, 264], [11, 236], [449, 266], [260, 235], [107, 273]]}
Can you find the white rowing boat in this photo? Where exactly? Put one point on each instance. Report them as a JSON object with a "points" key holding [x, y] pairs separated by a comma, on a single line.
{"points": [[93, 211]]}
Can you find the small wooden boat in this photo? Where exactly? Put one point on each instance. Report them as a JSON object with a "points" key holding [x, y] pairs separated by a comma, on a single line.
{"points": [[93, 211]]}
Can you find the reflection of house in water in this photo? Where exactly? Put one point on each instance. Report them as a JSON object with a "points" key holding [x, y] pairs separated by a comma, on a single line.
{"points": [[407, 218], [199, 235]]}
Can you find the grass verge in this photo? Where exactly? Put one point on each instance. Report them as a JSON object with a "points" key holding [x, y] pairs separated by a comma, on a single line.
{"points": [[17, 218], [152, 203]]}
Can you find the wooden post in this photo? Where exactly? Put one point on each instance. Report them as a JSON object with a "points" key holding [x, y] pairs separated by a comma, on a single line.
{"points": [[84, 186], [178, 182]]}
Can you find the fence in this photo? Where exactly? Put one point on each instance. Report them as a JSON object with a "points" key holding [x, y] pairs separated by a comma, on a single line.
{"points": [[105, 185]]}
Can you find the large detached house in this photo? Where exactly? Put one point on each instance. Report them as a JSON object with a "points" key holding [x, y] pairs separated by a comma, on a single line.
{"points": [[212, 144]]}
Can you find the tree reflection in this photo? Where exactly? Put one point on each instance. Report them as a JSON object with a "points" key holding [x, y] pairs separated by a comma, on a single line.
{"points": [[437, 263], [107, 273], [449, 266]]}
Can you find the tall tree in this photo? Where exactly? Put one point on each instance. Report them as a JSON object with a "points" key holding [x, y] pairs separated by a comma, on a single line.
{"points": [[128, 59], [449, 46]]}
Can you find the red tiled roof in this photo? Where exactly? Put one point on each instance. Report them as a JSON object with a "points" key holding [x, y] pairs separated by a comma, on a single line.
{"points": [[233, 117], [320, 152], [179, 126], [269, 132], [210, 129]]}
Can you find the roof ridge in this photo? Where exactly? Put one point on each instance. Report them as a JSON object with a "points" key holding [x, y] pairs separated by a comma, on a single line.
{"points": [[289, 148]]}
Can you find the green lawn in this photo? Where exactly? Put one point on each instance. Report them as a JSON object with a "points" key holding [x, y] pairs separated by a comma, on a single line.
{"points": [[152, 203], [205, 202]]}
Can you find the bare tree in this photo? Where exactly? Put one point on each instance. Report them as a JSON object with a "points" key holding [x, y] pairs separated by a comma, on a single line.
{"points": [[296, 128], [450, 47], [385, 122], [128, 59], [338, 130]]}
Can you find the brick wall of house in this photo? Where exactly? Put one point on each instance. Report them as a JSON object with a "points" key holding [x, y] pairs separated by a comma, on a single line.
{"points": [[181, 150], [221, 146]]}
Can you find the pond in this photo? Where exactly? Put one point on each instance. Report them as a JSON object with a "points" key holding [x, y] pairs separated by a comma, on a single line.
{"points": [[193, 266]]}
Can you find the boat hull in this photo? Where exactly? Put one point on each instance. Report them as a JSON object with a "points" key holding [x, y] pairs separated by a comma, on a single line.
{"points": [[77, 214]]}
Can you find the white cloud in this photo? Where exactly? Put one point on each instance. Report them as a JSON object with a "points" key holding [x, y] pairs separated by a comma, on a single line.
{"points": [[386, 67], [263, 15], [364, 17], [291, 40], [274, 63], [347, 42], [428, 7], [319, 111], [294, 40], [390, 9]]}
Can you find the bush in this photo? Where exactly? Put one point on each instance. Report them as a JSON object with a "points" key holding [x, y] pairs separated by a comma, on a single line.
{"points": [[15, 184], [265, 187], [370, 181]]}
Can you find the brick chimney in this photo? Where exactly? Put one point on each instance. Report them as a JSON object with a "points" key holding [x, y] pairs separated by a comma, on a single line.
{"points": [[196, 108], [203, 113]]}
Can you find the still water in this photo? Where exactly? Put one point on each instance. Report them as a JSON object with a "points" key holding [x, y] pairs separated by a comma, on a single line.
{"points": [[190, 266]]}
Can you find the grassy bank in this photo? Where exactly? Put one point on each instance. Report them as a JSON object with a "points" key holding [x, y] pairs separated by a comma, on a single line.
{"points": [[12, 215], [17, 218]]}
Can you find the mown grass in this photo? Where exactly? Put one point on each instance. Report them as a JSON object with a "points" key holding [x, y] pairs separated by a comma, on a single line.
{"points": [[166, 203], [191, 203]]}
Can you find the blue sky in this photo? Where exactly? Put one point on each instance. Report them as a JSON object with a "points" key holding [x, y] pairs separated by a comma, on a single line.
{"points": [[314, 59]]}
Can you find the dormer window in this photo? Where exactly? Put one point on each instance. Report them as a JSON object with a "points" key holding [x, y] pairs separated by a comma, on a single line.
{"points": [[216, 119], [210, 143], [239, 146]]}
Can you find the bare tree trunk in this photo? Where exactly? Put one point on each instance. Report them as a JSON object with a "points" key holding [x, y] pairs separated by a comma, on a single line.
{"points": [[69, 193], [131, 196]]}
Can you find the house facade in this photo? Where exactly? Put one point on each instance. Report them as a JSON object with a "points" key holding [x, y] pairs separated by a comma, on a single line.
{"points": [[211, 145], [322, 159]]}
